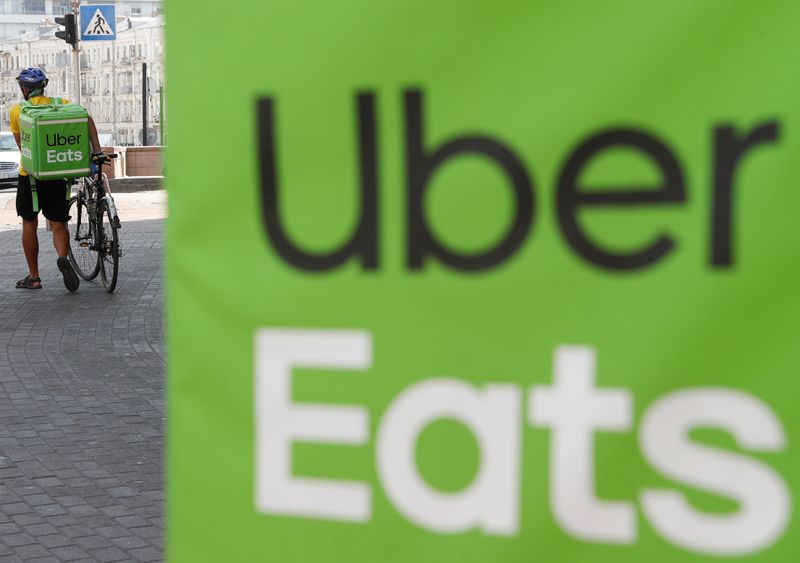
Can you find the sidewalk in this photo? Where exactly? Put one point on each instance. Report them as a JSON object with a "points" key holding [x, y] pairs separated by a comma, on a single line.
{"points": [[136, 206], [82, 400]]}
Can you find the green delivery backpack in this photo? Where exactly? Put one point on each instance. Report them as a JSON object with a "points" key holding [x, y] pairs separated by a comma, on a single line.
{"points": [[54, 140]]}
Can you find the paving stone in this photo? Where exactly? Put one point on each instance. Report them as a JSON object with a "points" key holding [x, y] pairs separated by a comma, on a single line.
{"points": [[15, 508], [92, 542], [110, 554], [112, 531], [132, 521], [54, 540], [49, 509], [40, 529], [146, 554], [69, 553], [28, 519], [26, 552], [9, 528], [18, 539], [129, 542]]}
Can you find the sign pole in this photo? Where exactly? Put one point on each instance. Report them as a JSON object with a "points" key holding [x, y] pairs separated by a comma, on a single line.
{"points": [[97, 22], [114, 93], [76, 60], [144, 104]]}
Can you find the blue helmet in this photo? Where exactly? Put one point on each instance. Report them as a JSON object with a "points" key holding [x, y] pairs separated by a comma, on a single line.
{"points": [[32, 78]]}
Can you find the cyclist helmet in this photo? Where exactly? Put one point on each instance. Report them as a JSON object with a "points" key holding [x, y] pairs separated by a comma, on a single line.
{"points": [[32, 78]]}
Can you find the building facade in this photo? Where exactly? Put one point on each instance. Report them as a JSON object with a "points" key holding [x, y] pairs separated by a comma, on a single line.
{"points": [[113, 88], [22, 16]]}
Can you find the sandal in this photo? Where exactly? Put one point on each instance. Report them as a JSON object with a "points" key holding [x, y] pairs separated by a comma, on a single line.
{"points": [[28, 283]]}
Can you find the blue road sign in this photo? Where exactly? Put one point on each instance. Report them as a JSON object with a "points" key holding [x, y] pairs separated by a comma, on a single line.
{"points": [[98, 22]]}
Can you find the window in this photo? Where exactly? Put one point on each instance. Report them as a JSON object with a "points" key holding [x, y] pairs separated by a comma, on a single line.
{"points": [[61, 7], [30, 6], [136, 11], [7, 143]]}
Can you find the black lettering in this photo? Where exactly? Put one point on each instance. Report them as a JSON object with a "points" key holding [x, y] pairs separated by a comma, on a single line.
{"points": [[570, 199], [60, 140], [421, 165], [729, 148], [364, 241]]}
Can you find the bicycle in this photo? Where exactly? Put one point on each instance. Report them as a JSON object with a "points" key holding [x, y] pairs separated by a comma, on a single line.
{"points": [[94, 241]]}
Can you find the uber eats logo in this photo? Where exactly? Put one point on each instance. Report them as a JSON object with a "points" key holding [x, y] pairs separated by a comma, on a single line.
{"points": [[574, 407], [730, 148], [65, 145], [25, 139]]}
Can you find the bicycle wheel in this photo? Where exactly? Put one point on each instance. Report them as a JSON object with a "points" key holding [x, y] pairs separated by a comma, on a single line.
{"points": [[82, 250], [109, 249]]}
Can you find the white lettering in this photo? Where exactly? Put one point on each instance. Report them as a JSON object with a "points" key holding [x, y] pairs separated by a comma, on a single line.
{"points": [[491, 502], [575, 409], [280, 422], [764, 499], [59, 156]]}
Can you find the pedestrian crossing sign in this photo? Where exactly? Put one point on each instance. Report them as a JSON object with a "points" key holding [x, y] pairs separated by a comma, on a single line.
{"points": [[98, 23]]}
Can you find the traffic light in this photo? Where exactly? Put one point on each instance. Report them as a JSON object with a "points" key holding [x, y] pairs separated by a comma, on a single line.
{"points": [[70, 32]]}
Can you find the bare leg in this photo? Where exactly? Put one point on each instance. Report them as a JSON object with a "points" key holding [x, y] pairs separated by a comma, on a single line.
{"points": [[60, 237], [30, 245]]}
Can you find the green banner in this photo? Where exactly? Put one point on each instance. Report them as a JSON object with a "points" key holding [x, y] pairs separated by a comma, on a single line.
{"points": [[484, 281]]}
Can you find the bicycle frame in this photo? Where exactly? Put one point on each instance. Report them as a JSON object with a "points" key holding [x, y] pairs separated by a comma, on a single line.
{"points": [[96, 230], [95, 188]]}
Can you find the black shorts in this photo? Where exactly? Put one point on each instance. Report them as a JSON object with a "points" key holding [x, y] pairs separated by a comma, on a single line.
{"points": [[53, 199]]}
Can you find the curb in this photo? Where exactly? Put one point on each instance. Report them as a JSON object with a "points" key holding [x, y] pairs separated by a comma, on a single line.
{"points": [[136, 184]]}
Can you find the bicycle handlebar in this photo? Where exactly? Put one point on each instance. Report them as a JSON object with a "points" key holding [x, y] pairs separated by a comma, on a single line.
{"points": [[103, 158]]}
